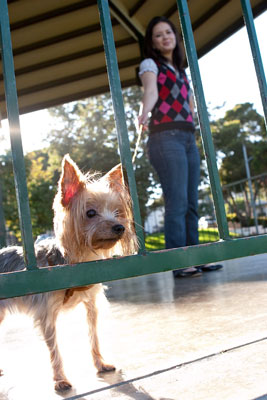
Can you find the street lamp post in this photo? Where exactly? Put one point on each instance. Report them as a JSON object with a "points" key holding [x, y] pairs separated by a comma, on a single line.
{"points": [[250, 187]]}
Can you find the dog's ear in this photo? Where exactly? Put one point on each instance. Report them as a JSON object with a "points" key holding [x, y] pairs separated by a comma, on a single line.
{"points": [[71, 181], [115, 177]]}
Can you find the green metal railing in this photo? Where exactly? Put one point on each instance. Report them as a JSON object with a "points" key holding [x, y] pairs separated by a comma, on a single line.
{"points": [[33, 280], [15, 136], [2, 220], [203, 120]]}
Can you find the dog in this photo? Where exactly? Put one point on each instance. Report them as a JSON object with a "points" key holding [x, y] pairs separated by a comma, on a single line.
{"points": [[92, 221]]}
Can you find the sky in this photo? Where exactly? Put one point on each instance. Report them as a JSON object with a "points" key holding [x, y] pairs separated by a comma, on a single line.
{"points": [[228, 78]]}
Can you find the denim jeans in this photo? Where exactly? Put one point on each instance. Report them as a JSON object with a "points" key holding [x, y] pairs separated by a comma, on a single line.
{"points": [[175, 157]]}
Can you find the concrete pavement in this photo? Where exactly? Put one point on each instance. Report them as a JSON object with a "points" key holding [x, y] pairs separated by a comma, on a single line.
{"points": [[184, 339]]}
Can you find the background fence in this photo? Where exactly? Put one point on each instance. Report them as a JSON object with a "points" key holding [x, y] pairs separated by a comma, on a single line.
{"points": [[245, 204]]}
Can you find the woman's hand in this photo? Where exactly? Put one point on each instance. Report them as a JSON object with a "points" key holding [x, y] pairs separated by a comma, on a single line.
{"points": [[143, 121]]}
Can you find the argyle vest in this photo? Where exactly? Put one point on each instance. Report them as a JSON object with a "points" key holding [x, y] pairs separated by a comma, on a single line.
{"points": [[172, 109]]}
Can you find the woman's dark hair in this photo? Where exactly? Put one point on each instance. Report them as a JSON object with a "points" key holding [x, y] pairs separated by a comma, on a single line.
{"points": [[178, 55]]}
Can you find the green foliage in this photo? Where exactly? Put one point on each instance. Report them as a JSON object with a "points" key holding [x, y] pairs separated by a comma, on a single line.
{"points": [[156, 241], [41, 190], [240, 125], [9, 194]]}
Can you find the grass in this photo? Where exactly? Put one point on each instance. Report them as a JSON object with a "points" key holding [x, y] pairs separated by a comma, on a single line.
{"points": [[156, 241]]}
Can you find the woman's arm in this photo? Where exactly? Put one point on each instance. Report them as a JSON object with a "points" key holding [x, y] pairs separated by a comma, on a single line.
{"points": [[192, 104], [150, 97]]}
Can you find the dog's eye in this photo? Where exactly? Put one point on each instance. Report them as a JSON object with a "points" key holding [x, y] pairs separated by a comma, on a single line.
{"points": [[91, 213], [116, 213]]}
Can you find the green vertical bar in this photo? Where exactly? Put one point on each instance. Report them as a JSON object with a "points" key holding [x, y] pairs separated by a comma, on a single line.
{"points": [[248, 17], [203, 119], [2, 221], [15, 137], [116, 94]]}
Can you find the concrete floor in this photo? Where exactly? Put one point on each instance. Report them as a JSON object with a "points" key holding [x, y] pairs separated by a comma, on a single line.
{"points": [[185, 339]]}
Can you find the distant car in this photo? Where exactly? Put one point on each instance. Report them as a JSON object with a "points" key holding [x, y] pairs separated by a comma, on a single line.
{"points": [[207, 222], [212, 223], [202, 223]]}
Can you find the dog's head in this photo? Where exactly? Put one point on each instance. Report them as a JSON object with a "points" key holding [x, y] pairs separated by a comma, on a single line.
{"points": [[93, 217]]}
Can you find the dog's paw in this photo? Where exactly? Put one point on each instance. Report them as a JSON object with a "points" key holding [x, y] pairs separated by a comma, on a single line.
{"points": [[106, 368], [62, 385]]}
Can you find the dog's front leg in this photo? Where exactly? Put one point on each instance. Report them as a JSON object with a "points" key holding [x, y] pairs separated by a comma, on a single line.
{"points": [[49, 332], [92, 316]]}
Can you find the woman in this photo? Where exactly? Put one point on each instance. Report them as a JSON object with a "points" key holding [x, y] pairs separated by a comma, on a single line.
{"points": [[171, 145]]}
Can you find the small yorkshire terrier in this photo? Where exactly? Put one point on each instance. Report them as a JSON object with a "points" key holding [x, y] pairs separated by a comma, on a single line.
{"points": [[92, 220]]}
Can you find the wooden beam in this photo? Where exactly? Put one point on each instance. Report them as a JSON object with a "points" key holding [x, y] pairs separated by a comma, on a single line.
{"points": [[131, 24]]}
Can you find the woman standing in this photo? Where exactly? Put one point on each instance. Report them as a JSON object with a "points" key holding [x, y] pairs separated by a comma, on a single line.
{"points": [[171, 145]]}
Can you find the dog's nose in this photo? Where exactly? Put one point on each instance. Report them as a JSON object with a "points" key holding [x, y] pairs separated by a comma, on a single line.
{"points": [[118, 229]]}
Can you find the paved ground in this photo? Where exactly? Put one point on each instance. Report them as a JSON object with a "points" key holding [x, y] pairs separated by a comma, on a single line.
{"points": [[189, 339]]}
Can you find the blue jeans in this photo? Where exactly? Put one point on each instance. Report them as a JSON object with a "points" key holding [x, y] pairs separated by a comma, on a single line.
{"points": [[175, 157]]}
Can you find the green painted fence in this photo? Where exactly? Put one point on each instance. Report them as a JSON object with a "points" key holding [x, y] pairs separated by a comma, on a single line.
{"points": [[33, 280]]}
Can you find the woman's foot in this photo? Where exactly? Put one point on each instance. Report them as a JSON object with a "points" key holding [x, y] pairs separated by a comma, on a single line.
{"points": [[184, 273], [196, 271], [210, 268]]}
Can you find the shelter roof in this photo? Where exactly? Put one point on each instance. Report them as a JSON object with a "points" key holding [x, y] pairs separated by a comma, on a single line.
{"points": [[58, 48]]}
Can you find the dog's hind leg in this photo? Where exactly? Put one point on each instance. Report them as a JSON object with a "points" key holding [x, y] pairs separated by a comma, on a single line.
{"points": [[48, 329], [92, 316]]}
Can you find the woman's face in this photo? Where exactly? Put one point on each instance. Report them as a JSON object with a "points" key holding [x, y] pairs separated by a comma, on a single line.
{"points": [[163, 38]]}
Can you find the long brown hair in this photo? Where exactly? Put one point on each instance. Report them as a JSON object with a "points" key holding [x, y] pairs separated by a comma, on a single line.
{"points": [[178, 55]]}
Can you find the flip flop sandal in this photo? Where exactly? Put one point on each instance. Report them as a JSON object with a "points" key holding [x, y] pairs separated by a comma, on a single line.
{"points": [[185, 274], [209, 268]]}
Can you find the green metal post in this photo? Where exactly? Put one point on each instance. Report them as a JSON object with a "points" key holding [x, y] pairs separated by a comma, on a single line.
{"points": [[2, 221], [203, 119], [15, 137], [256, 55], [116, 94]]}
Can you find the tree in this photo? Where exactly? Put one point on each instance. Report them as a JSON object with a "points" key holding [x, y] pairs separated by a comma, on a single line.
{"points": [[240, 125], [41, 186], [9, 194]]}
